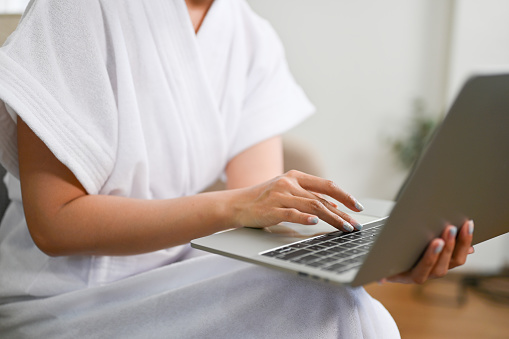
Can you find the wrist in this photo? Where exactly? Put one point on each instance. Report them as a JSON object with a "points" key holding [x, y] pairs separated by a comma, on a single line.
{"points": [[235, 206]]}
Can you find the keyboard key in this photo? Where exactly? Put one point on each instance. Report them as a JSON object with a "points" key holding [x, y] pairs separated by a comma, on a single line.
{"points": [[283, 250], [294, 254], [365, 247], [312, 241], [328, 244], [354, 252], [364, 241], [326, 252], [348, 245], [352, 236], [315, 263], [341, 255], [354, 262], [330, 235], [340, 240], [306, 259], [335, 267], [327, 260], [315, 248], [299, 245]]}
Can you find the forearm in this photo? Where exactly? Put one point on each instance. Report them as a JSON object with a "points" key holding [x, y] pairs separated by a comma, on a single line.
{"points": [[109, 225], [64, 220]]}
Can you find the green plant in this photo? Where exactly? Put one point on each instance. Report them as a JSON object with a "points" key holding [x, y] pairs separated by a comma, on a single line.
{"points": [[420, 128]]}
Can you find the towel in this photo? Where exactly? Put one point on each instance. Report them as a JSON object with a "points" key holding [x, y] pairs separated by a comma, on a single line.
{"points": [[135, 104]]}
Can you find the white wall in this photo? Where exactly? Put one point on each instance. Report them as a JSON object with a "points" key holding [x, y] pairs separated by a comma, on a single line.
{"points": [[480, 39], [362, 63]]}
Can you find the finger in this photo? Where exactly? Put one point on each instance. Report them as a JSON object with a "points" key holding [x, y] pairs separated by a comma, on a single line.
{"points": [[311, 202], [312, 195], [421, 272], [463, 244], [333, 208], [292, 215], [328, 187], [402, 278], [442, 265], [323, 196], [314, 206], [333, 204]]}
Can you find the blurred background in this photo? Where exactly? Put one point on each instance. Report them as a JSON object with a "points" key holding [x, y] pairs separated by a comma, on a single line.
{"points": [[381, 75]]}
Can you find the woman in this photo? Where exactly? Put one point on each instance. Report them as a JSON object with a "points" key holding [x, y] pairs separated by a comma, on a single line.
{"points": [[117, 114]]}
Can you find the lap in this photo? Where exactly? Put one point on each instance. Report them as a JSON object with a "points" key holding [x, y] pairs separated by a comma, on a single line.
{"points": [[206, 297]]}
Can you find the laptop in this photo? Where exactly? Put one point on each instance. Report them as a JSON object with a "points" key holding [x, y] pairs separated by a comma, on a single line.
{"points": [[463, 174]]}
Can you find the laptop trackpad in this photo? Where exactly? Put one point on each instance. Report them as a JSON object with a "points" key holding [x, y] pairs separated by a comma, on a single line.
{"points": [[288, 229]]}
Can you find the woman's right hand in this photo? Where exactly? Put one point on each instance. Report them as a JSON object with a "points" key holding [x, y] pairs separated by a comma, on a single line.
{"points": [[294, 197]]}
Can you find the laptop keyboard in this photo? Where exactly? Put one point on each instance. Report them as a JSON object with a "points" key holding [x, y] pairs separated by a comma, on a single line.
{"points": [[336, 251]]}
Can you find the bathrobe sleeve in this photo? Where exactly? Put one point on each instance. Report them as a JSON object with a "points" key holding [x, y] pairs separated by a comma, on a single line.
{"points": [[273, 102], [45, 78]]}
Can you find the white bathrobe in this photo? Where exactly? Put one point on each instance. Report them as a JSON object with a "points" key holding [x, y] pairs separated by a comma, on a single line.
{"points": [[135, 104]]}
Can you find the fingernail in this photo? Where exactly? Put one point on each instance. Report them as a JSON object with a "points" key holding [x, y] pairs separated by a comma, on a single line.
{"points": [[358, 205], [347, 227], [452, 232], [470, 226], [357, 226], [313, 220], [439, 248]]}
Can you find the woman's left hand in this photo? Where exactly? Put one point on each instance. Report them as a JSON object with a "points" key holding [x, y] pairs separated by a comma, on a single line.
{"points": [[442, 254]]}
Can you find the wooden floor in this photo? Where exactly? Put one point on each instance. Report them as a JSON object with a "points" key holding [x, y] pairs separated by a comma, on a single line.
{"points": [[432, 311]]}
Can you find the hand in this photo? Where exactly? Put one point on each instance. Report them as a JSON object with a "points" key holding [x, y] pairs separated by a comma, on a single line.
{"points": [[294, 197], [441, 255]]}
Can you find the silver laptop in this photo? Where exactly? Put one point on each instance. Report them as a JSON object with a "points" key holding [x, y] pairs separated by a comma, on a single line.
{"points": [[463, 174]]}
